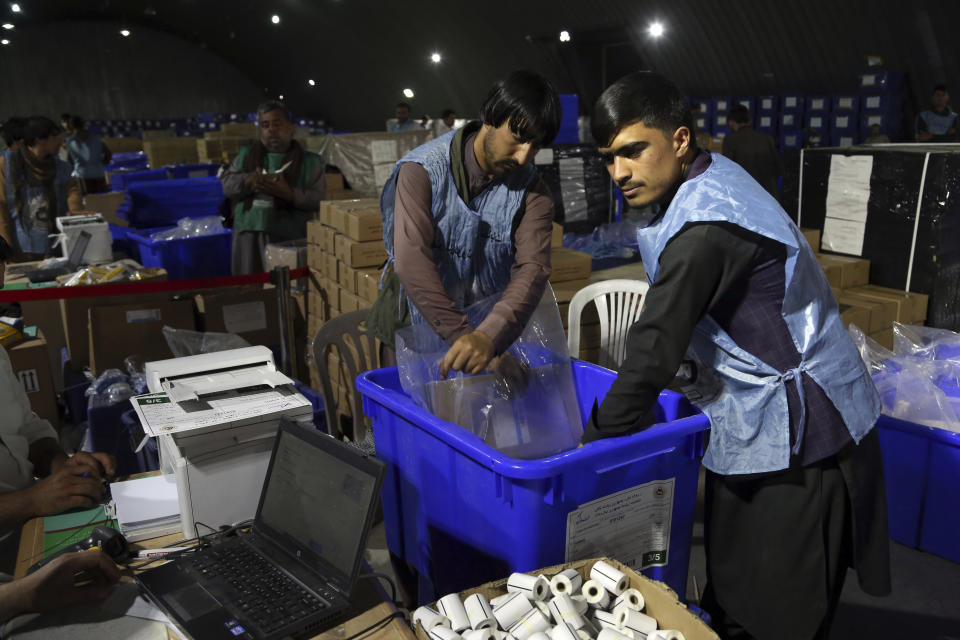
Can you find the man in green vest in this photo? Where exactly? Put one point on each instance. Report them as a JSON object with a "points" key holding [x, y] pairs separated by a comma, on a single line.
{"points": [[274, 187]]}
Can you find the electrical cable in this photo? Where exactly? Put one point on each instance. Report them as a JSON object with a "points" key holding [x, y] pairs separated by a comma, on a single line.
{"points": [[389, 580], [376, 625]]}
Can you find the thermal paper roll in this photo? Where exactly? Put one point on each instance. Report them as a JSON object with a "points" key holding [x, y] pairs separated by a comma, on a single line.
{"points": [[451, 606], [534, 587], [495, 602], [479, 634], [564, 632], [612, 579], [563, 611], [581, 604], [531, 622], [540, 635], [428, 618], [632, 597], [665, 634], [595, 594], [567, 581], [606, 619], [512, 609], [627, 618], [612, 634], [443, 633], [479, 612]]}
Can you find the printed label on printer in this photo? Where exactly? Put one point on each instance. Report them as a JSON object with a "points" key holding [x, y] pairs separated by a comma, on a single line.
{"points": [[160, 399]]}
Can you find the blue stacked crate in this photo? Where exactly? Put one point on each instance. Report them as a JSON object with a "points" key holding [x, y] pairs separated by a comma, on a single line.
{"points": [[816, 119], [703, 120], [749, 103], [718, 121], [881, 104], [790, 121], [844, 120], [765, 116], [570, 111]]}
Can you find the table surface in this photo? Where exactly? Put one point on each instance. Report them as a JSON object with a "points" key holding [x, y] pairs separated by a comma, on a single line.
{"points": [[367, 609]]}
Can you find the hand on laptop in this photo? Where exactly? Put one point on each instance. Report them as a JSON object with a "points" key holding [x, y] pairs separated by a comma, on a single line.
{"points": [[64, 489], [72, 578]]}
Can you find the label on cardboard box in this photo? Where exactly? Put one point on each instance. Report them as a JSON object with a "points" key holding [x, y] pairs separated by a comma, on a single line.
{"points": [[632, 525], [29, 379], [144, 315], [245, 317], [360, 254]]}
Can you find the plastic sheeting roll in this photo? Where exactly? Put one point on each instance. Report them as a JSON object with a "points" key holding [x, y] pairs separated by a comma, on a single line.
{"points": [[566, 582], [612, 579], [534, 587]]}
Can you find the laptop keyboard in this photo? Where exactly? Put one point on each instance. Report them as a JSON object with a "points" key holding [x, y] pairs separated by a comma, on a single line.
{"points": [[262, 592]]}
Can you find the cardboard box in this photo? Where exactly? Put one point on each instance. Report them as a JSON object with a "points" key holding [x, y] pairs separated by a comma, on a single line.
{"points": [[30, 362], [882, 313], [885, 338], [314, 232], [334, 182], [246, 129], [349, 301], [911, 307], [106, 204], [347, 278], [813, 238], [332, 291], [328, 239], [317, 305], [118, 331], [360, 254], [564, 291], [125, 144], [368, 285], [361, 223], [844, 272], [315, 256], [215, 147], [325, 213], [660, 600], [858, 316], [251, 314], [556, 238], [171, 151], [567, 264], [331, 267]]}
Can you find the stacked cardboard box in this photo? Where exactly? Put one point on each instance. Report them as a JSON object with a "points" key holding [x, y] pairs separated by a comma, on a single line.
{"points": [[161, 153], [123, 145], [221, 148]]}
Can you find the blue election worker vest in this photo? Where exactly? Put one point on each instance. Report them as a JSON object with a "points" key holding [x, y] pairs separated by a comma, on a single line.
{"points": [[745, 398]]}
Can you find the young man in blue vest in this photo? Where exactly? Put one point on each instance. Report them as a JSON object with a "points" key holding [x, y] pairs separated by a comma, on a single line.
{"points": [[739, 310], [940, 123], [465, 217]]}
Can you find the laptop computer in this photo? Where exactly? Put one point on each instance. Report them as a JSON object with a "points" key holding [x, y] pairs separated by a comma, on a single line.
{"points": [[298, 565], [74, 260]]}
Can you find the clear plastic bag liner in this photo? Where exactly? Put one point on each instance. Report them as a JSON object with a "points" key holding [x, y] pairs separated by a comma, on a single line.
{"points": [[914, 384], [191, 228], [183, 342], [110, 387], [524, 405]]}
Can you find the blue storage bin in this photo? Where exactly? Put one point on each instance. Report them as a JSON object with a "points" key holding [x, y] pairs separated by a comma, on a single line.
{"points": [[198, 170], [115, 429], [791, 139], [792, 103], [462, 513], [818, 105], [316, 401], [121, 181], [197, 257], [720, 106], [817, 121], [127, 160], [703, 105], [703, 124], [570, 112], [881, 103], [843, 138], [162, 203], [768, 104], [845, 122], [846, 103], [881, 81], [766, 122], [791, 121], [749, 103]]}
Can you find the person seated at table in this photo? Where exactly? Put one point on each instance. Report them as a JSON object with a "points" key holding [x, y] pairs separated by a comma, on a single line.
{"points": [[73, 578], [37, 478]]}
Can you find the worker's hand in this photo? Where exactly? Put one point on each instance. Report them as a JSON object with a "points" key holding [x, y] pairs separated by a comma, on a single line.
{"points": [[250, 181], [85, 576], [512, 374], [65, 489], [274, 184], [98, 465], [470, 353]]}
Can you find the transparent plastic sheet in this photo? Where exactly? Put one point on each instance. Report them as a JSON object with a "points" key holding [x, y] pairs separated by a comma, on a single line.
{"points": [[191, 228], [912, 388], [183, 342], [110, 387], [291, 254], [524, 406]]}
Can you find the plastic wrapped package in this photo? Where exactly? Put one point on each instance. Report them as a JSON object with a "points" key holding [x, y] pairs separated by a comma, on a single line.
{"points": [[913, 387], [578, 180], [291, 254], [525, 405], [191, 228], [115, 272], [183, 342], [110, 387]]}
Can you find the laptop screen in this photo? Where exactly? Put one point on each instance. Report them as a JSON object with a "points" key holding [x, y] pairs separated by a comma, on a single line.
{"points": [[318, 498]]}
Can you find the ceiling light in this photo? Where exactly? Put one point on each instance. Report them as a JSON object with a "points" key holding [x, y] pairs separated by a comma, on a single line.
{"points": [[655, 29], [15, 8], [125, 33], [564, 36], [7, 26], [4, 42], [281, 96], [311, 82], [408, 93], [275, 19], [436, 57]]}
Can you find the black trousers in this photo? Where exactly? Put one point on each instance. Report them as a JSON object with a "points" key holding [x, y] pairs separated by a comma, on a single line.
{"points": [[778, 546]]}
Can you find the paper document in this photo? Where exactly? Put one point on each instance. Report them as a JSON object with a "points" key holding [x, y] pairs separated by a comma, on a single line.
{"points": [[848, 192], [160, 416], [146, 502]]}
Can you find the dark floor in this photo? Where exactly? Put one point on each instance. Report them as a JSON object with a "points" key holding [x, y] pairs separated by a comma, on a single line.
{"points": [[924, 605]]}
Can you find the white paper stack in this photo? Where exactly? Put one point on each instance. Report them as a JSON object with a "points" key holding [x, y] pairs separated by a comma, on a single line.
{"points": [[147, 507]]}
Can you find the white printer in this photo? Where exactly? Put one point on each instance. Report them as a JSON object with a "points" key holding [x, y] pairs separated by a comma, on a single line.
{"points": [[215, 417], [100, 247]]}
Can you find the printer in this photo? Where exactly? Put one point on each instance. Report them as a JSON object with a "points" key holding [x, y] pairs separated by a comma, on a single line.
{"points": [[215, 417], [100, 247]]}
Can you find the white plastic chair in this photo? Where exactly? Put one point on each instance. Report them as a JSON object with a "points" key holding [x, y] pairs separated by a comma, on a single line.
{"points": [[618, 304]]}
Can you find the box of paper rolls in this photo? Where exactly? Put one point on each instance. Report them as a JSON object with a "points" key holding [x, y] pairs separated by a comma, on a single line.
{"points": [[599, 599]]}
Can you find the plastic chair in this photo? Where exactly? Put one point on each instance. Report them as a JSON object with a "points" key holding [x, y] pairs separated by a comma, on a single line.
{"points": [[618, 304], [358, 352]]}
